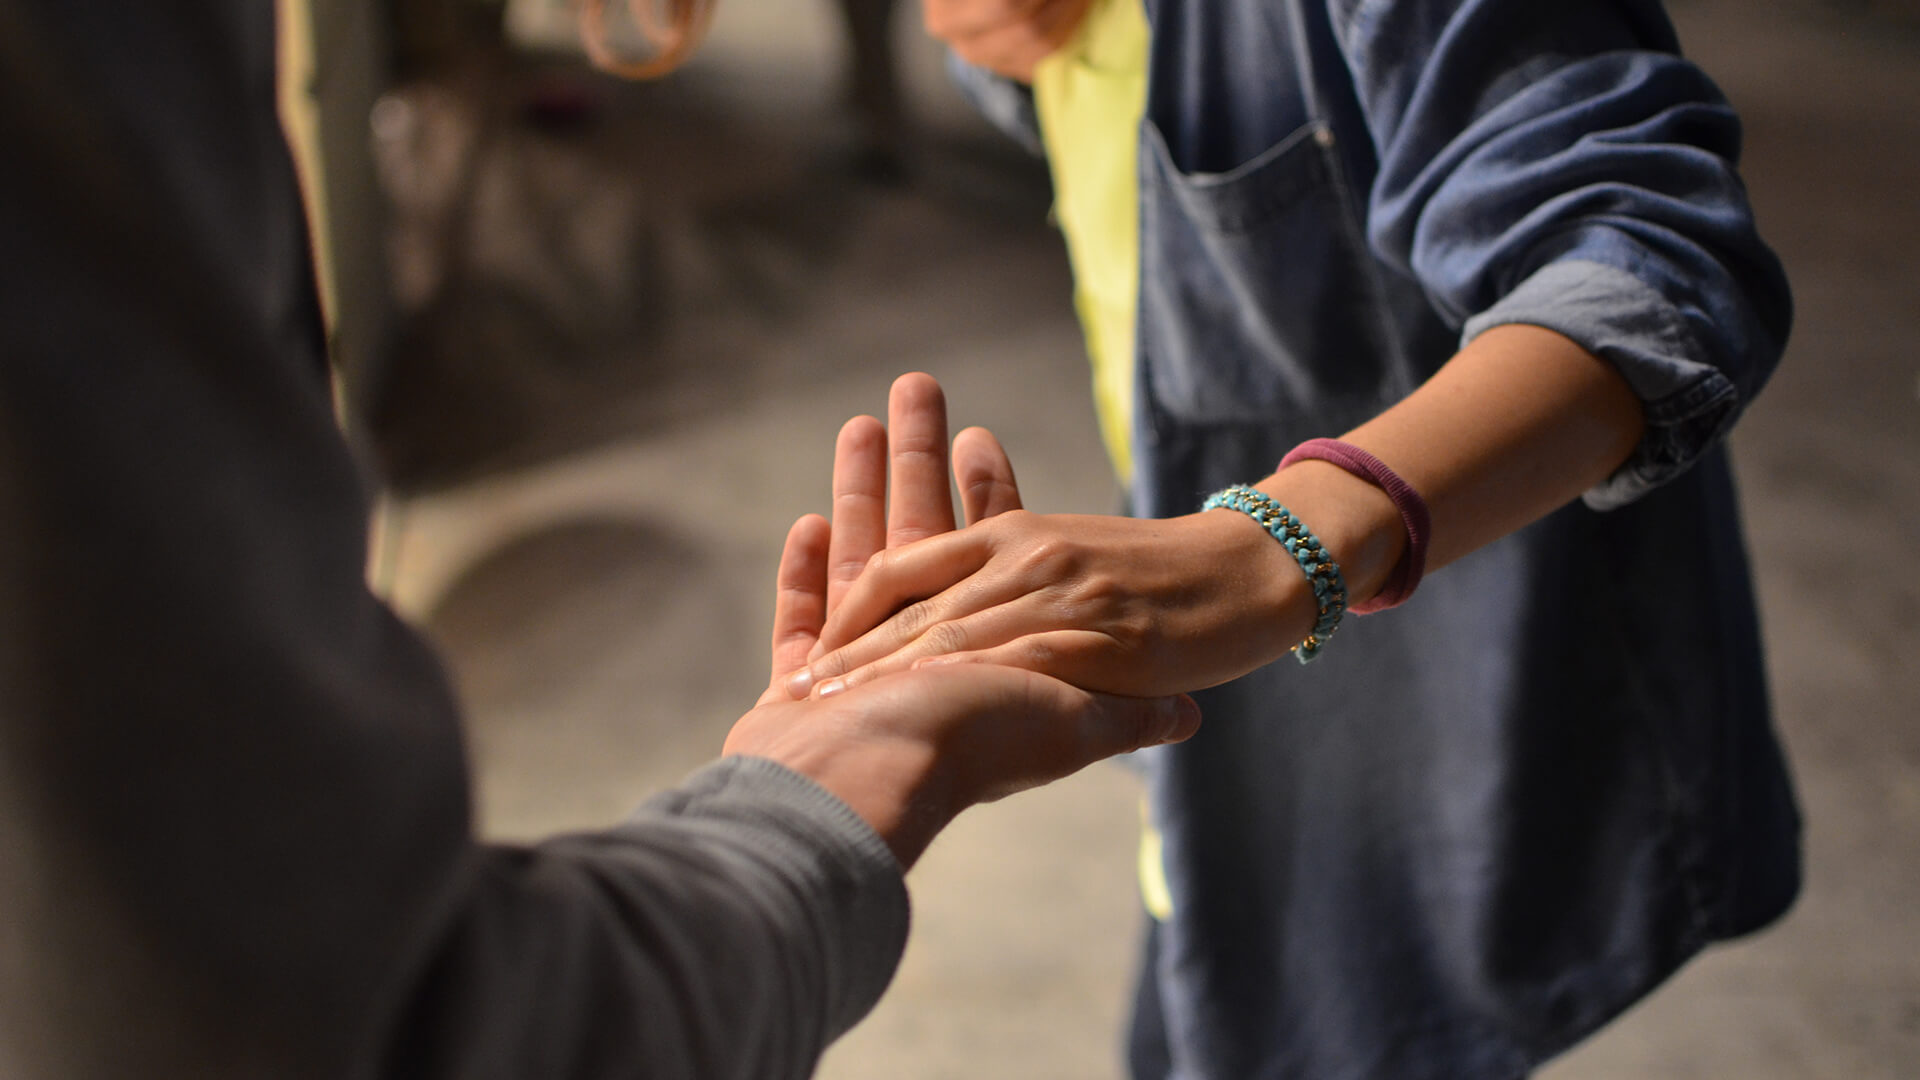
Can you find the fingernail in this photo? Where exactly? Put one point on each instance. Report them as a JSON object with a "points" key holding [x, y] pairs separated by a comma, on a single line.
{"points": [[800, 682], [832, 687]]}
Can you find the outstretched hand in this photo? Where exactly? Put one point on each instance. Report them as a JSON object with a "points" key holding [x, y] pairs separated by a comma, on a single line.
{"points": [[908, 455], [1111, 604], [1119, 605], [909, 752], [1008, 37]]}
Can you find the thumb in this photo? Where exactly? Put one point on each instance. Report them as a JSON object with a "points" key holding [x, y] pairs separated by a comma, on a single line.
{"points": [[1119, 725]]}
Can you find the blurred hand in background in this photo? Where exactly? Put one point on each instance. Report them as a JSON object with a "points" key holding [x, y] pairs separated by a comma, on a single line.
{"points": [[1007, 37]]}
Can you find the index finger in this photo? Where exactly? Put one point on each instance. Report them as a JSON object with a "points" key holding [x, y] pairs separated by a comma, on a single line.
{"points": [[859, 504]]}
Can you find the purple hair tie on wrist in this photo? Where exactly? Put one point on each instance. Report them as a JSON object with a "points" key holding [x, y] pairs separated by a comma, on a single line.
{"points": [[1413, 513]]}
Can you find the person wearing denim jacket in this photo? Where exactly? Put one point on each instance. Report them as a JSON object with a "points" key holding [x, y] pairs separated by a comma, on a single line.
{"points": [[1486, 822]]}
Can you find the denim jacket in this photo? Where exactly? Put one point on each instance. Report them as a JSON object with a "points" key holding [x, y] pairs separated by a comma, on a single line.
{"points": [[1485, 822]]}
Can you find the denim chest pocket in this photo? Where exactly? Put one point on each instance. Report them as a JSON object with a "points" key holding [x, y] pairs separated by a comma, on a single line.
{"points": [[1258, 303]]}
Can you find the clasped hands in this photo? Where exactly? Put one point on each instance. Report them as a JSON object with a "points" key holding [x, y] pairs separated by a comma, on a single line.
{"points": [[1118, 605], [918, 669]]}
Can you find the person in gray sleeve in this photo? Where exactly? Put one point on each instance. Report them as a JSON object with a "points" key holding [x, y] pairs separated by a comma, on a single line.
{"points": [[234, 805]]}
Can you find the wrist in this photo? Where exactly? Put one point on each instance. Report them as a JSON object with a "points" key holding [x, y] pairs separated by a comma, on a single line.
{"points": [[891, 784], [1274, 602], [894, 784], [1357, 521]]}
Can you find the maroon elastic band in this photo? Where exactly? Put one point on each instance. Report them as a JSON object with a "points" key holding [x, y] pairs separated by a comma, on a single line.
{"points": [[1413, 513]]}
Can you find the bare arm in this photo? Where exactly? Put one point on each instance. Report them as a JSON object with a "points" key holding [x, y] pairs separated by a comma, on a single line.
{"points": [[1516, 425], [1623, 226]]}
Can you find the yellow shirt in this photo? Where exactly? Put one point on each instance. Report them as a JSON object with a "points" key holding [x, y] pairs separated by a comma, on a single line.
{"points": [[1089, 96]]}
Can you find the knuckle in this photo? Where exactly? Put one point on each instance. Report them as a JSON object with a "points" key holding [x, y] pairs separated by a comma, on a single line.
{"points": [[1041, 655], [1016, 522], [1094, 601], [1116, 607], [1126, 723], [913, 619], [1147, 724], [1131, 629], [1090, 595], [946, 637], [786, 637], [1045, 554], [982, 488], [919, 449]]}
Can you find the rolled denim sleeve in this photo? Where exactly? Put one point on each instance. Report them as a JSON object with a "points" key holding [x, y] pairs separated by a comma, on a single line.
{"points": [[1561, 165]]}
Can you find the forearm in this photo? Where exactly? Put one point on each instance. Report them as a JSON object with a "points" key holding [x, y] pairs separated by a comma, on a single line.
{"points": [[233, 801], [1516, 425], [731, 928], [1562, 166]]}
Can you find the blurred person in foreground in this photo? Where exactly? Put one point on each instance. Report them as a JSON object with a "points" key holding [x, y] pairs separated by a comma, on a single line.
{"points": [[235, 836], [1451, 304]]}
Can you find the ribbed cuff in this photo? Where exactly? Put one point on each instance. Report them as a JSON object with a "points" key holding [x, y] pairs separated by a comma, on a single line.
{"points": [[861, 884]]}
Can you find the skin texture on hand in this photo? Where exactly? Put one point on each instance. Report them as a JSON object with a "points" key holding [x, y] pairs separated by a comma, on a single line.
{"points": [[1515, 426], [909, 752], [1120, 605], [1007, 37]]}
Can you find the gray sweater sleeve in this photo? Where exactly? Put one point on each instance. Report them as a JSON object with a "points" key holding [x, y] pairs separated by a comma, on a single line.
{"points": [[234, 825], [731, 928]]}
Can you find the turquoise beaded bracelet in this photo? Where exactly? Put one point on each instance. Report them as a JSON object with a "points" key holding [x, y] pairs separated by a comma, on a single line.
{"points": [[1329, 590]]}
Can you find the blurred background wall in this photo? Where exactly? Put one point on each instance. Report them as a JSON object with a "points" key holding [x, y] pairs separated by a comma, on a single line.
{"points": [[598, 338]]}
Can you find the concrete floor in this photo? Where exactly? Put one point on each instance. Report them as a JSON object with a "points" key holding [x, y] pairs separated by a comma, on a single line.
{"points": [[631, 345]]}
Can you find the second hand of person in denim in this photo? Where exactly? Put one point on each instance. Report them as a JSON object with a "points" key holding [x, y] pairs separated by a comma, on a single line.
{"points": [[1504, 247]]}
